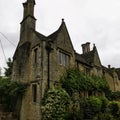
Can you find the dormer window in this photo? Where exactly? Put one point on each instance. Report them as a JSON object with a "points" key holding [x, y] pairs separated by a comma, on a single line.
{"points": [[64, 59]]}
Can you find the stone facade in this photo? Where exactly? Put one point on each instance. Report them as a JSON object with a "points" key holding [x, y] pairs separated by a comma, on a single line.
{"points": [[41, 60]]}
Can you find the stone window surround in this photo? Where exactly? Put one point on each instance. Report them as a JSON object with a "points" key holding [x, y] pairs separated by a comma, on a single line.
{"points": [[64, 58]]}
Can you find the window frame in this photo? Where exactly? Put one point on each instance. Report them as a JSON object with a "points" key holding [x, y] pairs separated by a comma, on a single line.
{"points": [[64, 59]]}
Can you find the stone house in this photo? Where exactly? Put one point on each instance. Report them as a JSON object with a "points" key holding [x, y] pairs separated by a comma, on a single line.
{"points": [[41, 60]]}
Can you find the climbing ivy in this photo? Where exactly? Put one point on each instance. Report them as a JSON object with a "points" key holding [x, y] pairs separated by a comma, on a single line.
{"points": [[74, 81], [65, 102]]}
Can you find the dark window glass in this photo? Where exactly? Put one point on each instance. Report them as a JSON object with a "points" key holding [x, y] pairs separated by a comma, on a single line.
{"points": [[34, 89], [36, 55]]}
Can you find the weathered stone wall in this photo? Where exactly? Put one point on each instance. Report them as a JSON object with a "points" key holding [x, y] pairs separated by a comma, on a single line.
{"points": [[30, 110], [116, 81], [57, 70], [110, 81]]}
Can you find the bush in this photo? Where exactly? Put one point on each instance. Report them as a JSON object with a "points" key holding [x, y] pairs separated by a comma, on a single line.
{"points": [[92, 107], [105, 102], [114, 109], [103, 116], [115, 95], [55, 104], [74, 115]]}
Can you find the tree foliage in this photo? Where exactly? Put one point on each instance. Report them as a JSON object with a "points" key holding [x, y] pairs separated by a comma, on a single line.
{"points": [[114, 109], [115, 95], [8, 70], [10, 91]]}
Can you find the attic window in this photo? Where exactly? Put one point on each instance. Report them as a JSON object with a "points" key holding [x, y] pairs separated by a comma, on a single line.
{"points": [[64, 59]]}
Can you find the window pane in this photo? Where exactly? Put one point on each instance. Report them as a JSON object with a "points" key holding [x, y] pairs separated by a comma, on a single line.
{"points": [[60, 58], [63, 59], [35, 55], [67, 60], [34, 89]]}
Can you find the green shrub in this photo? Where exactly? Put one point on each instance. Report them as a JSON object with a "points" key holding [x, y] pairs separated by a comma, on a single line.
{"points": [[74, 115], [114, 108], [55, 104], [105, 102], [103, 116], [92, 107], [115, 95]]}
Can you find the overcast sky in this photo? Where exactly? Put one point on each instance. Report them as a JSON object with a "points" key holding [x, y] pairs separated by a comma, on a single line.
{"points": [[95, 21]]}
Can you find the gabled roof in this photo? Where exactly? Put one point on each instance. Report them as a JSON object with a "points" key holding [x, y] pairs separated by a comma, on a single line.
{"points": [[92, 57], [81, 59], [62, 29], [89, 57], [38, 37], [54, 35]]}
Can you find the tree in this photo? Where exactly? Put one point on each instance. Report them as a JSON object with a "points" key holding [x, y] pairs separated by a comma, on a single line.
{"points": [[8, 70], [10, 92]]}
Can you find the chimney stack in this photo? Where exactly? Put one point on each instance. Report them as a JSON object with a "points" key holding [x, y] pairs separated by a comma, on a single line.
{"points": [[109, 66], [86, 47]]}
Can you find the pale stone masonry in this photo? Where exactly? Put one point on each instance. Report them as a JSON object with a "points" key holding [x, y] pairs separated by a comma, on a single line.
{"points": [[41, 60]]}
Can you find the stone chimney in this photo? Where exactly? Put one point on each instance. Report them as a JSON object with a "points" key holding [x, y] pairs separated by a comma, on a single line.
{"points": [[86, 47], [109, 66]]}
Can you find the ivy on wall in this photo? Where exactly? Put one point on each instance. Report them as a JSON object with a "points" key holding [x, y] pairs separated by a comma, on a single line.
{"points": [[61, 103], [74, 81]]}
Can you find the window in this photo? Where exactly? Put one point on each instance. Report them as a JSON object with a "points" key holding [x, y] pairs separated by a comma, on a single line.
{"points": [[34, 91], [36, 55], [64, 59], [60, 58]]}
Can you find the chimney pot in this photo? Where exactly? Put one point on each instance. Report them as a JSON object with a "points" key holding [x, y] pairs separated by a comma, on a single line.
{"points": [[86, 47]]}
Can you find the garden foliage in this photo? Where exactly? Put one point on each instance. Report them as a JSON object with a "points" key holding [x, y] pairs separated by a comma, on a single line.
{"points": [[66, 102], [10, 91]]}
